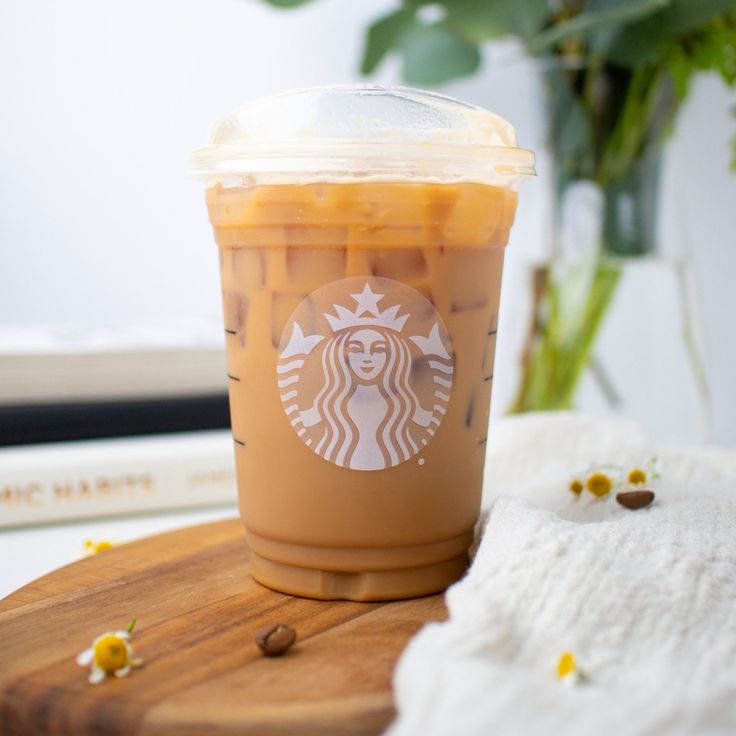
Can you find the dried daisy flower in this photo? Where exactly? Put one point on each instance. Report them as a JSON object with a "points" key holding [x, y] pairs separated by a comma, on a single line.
{"points": [[599, 484], [567, 669], [576, 487], [111, 653], [648, 473], [92, 548], [637, 477]]}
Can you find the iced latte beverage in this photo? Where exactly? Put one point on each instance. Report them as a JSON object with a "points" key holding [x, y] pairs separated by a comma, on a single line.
{"points": [[361, 233]]}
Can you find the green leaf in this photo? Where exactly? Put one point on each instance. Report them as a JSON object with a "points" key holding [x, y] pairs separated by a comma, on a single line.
{"points": [[681, 69], [287, 3], [484, 20], [691, 15], [640, 43], [718, 52], [434, 54], [383, 36], [599, 38], [570, 129], [620, 12]]}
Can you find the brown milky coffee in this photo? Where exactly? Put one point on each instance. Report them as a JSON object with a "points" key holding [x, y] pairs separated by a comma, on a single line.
{"points": [[361, 319]]}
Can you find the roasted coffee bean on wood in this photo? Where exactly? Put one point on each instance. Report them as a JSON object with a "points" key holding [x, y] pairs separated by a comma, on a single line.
{"points": [[635, 499], [275, 640]]}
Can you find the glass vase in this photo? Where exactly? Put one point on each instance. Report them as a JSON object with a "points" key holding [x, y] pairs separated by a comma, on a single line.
{"points": [[615, 327]]}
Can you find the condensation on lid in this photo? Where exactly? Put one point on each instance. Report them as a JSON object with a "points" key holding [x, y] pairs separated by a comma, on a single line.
{"points": [[358, 131]]}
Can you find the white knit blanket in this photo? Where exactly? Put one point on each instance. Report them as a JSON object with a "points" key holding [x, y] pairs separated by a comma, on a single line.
{"points": [[646, 600]]}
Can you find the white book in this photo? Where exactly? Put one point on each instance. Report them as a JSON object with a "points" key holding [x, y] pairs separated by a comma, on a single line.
{"points": [[95, 478], [57, 363]]}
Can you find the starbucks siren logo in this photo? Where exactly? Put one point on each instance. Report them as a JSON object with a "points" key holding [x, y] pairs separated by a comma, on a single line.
{"points": [[366, 386]]}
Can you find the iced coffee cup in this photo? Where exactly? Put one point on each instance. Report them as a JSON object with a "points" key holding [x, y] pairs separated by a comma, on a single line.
{"points": [[361, 233]]}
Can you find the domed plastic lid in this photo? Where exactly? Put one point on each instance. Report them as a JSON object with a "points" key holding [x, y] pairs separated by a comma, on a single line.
{"points": [[364, 131]]}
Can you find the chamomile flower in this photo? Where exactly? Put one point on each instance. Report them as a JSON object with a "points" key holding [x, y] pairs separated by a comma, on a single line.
{"points": [[599, 484], [647, 474], [568, 670], [92, 548], [637, 477], [576, 487], [111, 653]]}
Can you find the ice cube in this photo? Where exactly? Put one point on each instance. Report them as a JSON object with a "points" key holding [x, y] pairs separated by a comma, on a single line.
{"points": [[249, 268], [283, 305], [315, 236], [474, 276], [423, 310], [402, 265], [309, 268]]}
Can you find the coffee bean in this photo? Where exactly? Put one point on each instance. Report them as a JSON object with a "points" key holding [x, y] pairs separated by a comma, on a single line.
{"points": [[275, 640], [635, 499]]}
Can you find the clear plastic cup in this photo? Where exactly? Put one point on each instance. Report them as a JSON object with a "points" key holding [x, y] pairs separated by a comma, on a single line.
{"points": [[361, 233]]}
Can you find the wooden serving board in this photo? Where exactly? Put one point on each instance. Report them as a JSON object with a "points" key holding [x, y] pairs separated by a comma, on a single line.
{"points": [[198, 611]]}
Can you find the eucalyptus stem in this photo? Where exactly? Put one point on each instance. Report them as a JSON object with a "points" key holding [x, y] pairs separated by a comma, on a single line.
{"points": [[575, 354], [560, 356]]}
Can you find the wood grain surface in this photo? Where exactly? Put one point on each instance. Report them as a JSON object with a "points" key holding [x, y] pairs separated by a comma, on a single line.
{"points": [[198, 612]]}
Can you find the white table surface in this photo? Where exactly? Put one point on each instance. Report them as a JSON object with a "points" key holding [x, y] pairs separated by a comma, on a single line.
{"points": [[29, 552]]}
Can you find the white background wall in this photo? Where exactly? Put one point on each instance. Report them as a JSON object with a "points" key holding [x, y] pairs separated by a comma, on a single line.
{"points": [[103, 102]]}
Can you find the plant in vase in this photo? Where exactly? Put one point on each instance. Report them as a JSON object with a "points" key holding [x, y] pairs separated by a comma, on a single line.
{"points": [[615, 73]]}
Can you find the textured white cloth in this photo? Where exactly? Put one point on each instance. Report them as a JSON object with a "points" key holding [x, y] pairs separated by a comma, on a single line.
{"points": [[645, 599]]}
